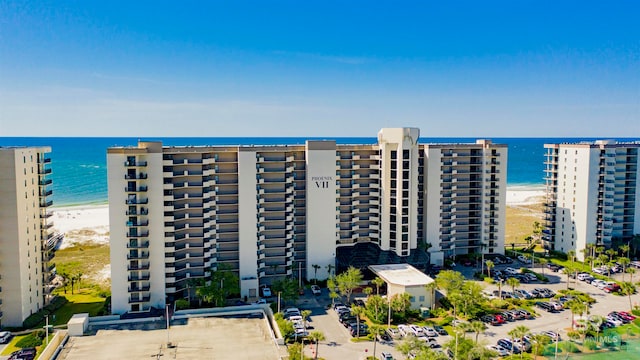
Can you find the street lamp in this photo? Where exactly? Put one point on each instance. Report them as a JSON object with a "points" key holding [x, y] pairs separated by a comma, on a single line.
{"points": [[389, 311]]}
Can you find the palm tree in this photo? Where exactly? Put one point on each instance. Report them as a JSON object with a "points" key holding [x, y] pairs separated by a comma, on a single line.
{"points": [[537, 340], [315, 267], [368, 291], [316, 337], [624, 261], [514, 283], [490, 265], [477, 327], [596, 321], [376, 330], [631, 271], [611, 252], [519, 332], [357, 311], [542, 263], [378, 282], [432, 286], [571, 254], [568, 270], [330, 268], [628, 288], [625, 249], [577, 307]]}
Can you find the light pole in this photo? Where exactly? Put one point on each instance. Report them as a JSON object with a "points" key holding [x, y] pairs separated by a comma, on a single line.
{"points": [[389, 311], [555, 355], [279, 301]]}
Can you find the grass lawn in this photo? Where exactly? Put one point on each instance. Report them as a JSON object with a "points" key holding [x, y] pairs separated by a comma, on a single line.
{"points": [[84, 301], [519, 221], [87, 259], [11, 346]]}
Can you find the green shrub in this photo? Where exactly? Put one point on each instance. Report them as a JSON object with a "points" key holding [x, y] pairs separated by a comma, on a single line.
{"points": [[569, 347], [446, 321], [30, 340], [636, 312], [590, 344], [489, 280], [438, 312], [182, 304]]}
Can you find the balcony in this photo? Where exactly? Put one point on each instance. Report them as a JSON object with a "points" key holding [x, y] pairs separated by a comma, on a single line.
{"points": [[46, 203], [136, 235], [137, 268], [45, 182], [136, 212], [139, 176], [139, 288], [137, 223], [136, 201], [142, 299], [138, 245], [134, 189], [139, 256], [139, 277], [135, 163]]}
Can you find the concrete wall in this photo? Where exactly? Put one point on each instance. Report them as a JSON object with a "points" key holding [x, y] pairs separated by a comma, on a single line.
{"points": [[247, 212], [320, 206], [20, 239], [432, 187]]}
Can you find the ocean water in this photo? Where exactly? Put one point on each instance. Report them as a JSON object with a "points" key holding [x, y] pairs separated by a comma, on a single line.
{"points": [[80, 164]]}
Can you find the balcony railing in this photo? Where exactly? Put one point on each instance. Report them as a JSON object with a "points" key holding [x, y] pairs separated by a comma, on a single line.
{"points": [[139, 278], [138, 235], [45, 182], [134, 189], [140, 255], [138, 245], [137, 268], [135, 176], [139, 299], [136, 212], [135, 163], [139, 288]]}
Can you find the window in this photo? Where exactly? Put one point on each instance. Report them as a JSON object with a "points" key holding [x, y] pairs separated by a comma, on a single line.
{"points": [[394, 154], [412, 299], [405, 154], [421, 298]]}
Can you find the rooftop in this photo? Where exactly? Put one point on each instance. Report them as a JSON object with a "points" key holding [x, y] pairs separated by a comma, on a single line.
{"points": [[401, 274]]}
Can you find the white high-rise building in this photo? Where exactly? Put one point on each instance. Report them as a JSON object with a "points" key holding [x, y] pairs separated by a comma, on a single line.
{"points": [[591, 195], [301, 211], [25, 236]]}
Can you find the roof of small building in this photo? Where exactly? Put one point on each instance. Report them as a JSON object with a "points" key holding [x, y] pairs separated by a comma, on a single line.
{"points": [[401, 274]]}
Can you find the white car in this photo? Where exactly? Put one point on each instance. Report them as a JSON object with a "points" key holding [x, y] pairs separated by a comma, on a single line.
{"points": [[552, 334], [429, 331], [266, 291], [4, 337], [315, 289], [524, 259], [499, 349], [404, 330], [416, 330], [556, 306], [600, 270], [614, 321], [261, 301], [511, 271], [598, 282]]}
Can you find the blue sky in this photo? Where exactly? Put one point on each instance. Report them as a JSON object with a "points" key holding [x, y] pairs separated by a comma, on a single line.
{"points": [[319, 68]]}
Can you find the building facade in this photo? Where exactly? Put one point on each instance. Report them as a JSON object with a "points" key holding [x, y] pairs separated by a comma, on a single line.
{"points": [[268, 212], [591, 195], [25, 233]]}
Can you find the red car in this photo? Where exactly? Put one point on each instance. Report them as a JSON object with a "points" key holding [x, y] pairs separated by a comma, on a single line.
{"points": [[612, 288], [499, 318], [626, 315]]}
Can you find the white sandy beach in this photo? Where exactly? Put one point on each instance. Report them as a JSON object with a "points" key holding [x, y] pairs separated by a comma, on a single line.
{"points": [[82, 224], [524, 196]]}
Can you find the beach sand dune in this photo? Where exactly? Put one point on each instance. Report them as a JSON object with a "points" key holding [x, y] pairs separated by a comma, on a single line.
{"points": [[82, 224]]}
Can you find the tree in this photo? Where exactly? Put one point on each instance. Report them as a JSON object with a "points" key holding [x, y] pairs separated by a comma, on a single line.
{"points": [[477, 327], [568, 270], [571, 254], [411, 344], [348, 281], [368, 291], [631, 271], [627, 288], [432, 286], [331, 285], [625, 249], [537, 340], [305, 316], [330, 268], [316, 337], [543, 262], [222, 283], [378, 282], [596, 321], [401, 302], [490, 266], [357, 311], [624, 261], [288, 289], [375, 330], [611, 252], [315, 267], [514, 283], [376, 308], [449, 280], [519, 332], [577, 307]]}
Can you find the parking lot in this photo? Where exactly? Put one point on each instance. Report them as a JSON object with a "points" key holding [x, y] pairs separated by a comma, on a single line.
{"points": [[338, 343]]}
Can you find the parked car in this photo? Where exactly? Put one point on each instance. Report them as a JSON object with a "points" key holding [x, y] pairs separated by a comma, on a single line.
{"points": [[556, 306], [315, 289], [524, 259], [552, 334], [545, 306], [440, 330], [499, 349], [266, 291], [404, 330], [600, 270], [627, 315], [511, 271], [612, 288], [510, 346], [394, 333], [386, 356], [429, 331], [24, 354], [5, 336]]}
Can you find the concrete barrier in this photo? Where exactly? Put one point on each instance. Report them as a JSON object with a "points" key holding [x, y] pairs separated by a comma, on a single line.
{"points": [[56, 344]]}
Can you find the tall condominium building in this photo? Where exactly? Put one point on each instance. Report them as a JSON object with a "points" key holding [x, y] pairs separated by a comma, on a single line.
{"points": [[25, 232], [267, 212], [591, 195]]}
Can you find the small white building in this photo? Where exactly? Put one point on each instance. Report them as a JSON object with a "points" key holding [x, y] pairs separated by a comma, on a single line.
{"points": [[401, 278]]}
